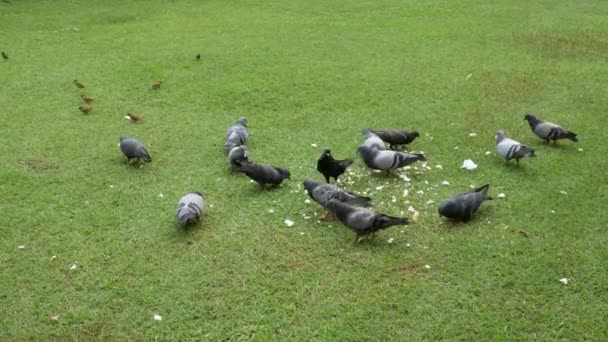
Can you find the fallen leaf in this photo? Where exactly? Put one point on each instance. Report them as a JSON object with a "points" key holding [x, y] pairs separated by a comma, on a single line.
{"points": [[53, 258], [54, 317]]}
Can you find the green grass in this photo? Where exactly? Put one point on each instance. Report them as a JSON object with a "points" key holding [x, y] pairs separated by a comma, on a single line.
{"points": [[303, 72]]}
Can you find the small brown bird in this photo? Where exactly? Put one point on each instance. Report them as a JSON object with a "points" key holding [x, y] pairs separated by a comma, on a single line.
{"points": [[134, 118], [86, 109], [78, 84], [87, 99], [156, 85], [198, 57], [4, 56]]}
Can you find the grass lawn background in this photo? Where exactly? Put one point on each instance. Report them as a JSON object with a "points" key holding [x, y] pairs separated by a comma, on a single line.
{"points": [[303, 72]]}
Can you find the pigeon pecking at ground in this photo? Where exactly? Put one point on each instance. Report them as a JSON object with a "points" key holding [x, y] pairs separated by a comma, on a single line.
{"points": [[372, 140], [236, 135], [387, 160], [548, 130], [363, 221], [263, 174], [330, 167], [322, 193], [511, 149], [190, 208], [133, 149], [395, 137], [237, 155], [464, 205]]}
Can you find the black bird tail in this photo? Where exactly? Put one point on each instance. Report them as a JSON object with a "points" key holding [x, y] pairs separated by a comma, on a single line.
{"points": [[572, 136], [345, 163]]}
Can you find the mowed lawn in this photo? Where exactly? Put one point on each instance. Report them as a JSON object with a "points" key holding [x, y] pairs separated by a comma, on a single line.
{"points": [[308, 75]]}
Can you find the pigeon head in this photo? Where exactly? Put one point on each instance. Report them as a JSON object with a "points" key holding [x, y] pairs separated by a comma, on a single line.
{"points": [[500, 135], [415, 134], [242, 121], [284, 173], [122, 137], [530, 117], [449, 209], [309, 185]]}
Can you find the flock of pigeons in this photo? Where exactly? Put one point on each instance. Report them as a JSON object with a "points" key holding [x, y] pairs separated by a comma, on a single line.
{"points": [[348, 207]]}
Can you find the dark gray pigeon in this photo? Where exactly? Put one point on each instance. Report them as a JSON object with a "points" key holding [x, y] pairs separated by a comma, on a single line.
{"points": [[237, 155], [133, 149], [387, 160], [236, 135], [363, 221], [548, 130], [322, 193], [462, 206], [263, 174], [190, 208], [395, 137], [372, 140], [511, 149]]}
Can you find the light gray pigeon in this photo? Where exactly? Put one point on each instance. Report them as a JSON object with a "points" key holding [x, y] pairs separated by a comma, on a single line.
{"points": [[464, 205], [387, 160], [190, 208], [363, 221], [548, 130], [263, 174], [372, 140], [511, 149], [322, 193], [133, 149], [237, 155], [236, 135]]}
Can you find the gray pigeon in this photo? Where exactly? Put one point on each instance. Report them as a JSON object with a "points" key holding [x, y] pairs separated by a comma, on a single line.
{"points": [[511, 149], [237, 155], [464, 205], [133, 149], [387, 160], [372, 140], [322, 193], [363, 221], [236, 135], [263, 174], [396, 137], [190, 208], [548, 130]]}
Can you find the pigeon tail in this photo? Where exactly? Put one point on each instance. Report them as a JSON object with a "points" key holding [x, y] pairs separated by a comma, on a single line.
{"points": [[385, 221]]}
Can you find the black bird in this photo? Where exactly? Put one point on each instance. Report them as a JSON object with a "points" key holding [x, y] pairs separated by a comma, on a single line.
{"points": [[396, 137], [363, 221], [464, 205], [263, 174], [4, 56], [331, 167], [548, 130]]}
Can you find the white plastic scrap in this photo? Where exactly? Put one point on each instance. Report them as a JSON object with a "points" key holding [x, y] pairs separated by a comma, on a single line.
{"points": [[314, 145], [271, 211], [21, 247], [74, 267], [445, 183], [488, 153], [428, 267], [564, 281], [563, 192], [469, 165], [158, 317], [289, 223], [390, 240], [307, 201], [472, 134], [411, 209], [502, 195]]}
